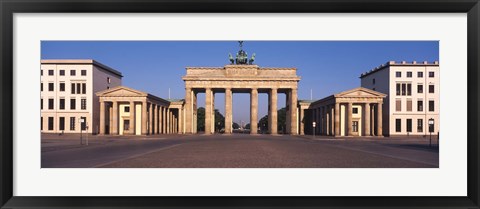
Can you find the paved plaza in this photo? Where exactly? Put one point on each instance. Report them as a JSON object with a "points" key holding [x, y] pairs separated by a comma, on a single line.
{"points": [[237, 151]]}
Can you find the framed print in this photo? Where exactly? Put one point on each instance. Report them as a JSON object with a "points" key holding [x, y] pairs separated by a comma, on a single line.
{"points": [[269, 104]]}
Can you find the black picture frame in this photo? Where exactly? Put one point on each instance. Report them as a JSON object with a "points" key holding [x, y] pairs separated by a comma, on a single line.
{"points": [[10, 7]]}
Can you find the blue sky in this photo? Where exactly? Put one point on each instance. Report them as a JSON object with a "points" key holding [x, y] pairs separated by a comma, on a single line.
{"points": [[325, 67]]}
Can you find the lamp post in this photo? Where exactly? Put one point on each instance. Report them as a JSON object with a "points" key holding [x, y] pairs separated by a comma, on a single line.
{"points": [[431, 122]]}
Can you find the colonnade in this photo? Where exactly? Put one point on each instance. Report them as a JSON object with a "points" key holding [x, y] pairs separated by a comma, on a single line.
{"points": [[191, 109]]}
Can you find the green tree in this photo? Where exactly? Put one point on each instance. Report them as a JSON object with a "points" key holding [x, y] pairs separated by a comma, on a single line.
{"points": [[201, 119], [281, 121], [219, 121], [235, 125], [247, 126]]}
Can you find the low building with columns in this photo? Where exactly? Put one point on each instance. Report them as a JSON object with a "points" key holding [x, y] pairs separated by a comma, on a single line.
{"points": [[356, 112], [126, 111]]}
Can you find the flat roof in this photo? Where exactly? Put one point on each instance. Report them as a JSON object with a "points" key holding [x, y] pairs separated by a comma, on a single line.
{"points": [[82, 62], [403, 63]]}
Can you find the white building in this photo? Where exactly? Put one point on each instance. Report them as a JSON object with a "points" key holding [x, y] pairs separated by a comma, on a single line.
{"points": [[412, 90], [68, 97]]}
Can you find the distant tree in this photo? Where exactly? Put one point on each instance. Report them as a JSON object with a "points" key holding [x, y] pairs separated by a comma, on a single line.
{"points": [[201, 119], [219, 120], [281, 121], [247, 126], [263, 124], [235, 125]]}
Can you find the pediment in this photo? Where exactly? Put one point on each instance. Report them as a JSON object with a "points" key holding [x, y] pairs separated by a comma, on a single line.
{"points": [[360, 92], [121, 91]]}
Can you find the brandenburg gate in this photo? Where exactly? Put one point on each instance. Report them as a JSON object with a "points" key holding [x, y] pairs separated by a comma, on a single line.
{"points": [[241, 76]]}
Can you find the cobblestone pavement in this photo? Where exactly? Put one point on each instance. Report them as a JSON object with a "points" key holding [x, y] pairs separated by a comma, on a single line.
{"points": [[236, 151]]}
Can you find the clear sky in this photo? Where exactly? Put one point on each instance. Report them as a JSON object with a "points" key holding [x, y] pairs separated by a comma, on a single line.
{"points": [[325, 67]]}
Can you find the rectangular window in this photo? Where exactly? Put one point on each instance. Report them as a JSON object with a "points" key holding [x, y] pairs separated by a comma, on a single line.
{"points": [[41, 104], [62, 72], [62, 104], [61, 124], [398, 125], [84, 124], [83, 104], [50, 123], [50, 86], [72, 123], [41, 72], [108, 80], [83, 72], [355, 126], [50, 72], [420, 106], [431, 74], [62, 86], [431, 88], [355, 110], [126, 109], [79, 88], [419, 125], [420, 88], [404, 89], [373, 81], [72, 104], [41, 123], [409, 89], [398, 74], [431, 106], [398, 105], [398, 89], [409, 74], [409, 125], [84, 88], [72, 72], [50, 104], [420, 74], [409, 105], [41, 86]]}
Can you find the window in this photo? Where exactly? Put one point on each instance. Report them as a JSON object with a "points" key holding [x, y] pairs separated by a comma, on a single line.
{"points": [[83, 72], [73, 72], [50, 87], [84, 124], [41, 72], [431, 105], [126, 109], [355, 126], [398, 105], [84, 88], [50, 104], [420, 88], [41, 86], [83, 104], [41, 123], [62, 104], [373, 81], [409, 89], [420, 106], [73, 88], [409, 125], [41, 104], [50, 123], [355, 110], [398, 74], [409, 74], [431, 74], [398, 125], [398, 89], [50, 72], [72, 123], [61, 124], [420, 74], [420, 125], [78, 88], [109, 81], [404, 89], [62, 86], [409, 105], [62, 73], [72, 104], [431, 88]]}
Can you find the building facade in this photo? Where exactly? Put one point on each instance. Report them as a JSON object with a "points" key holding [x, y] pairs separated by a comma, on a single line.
{"points": [[67, 100], [412, 90]]}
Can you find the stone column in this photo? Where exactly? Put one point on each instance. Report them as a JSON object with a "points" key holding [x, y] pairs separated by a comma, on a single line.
{"points": [[208, 111], [165, 120], [169, 121], [102, 117], [366, 124], [302, 122], [180, 121], [253, 111], [115, 118], [272, 122], [228, 111], [293, 112], [144, 118], [132, 118], [379, 119], [327, 120], [349, 119], [337, 119], [320, 118], [194, 101], [188, 111]]}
